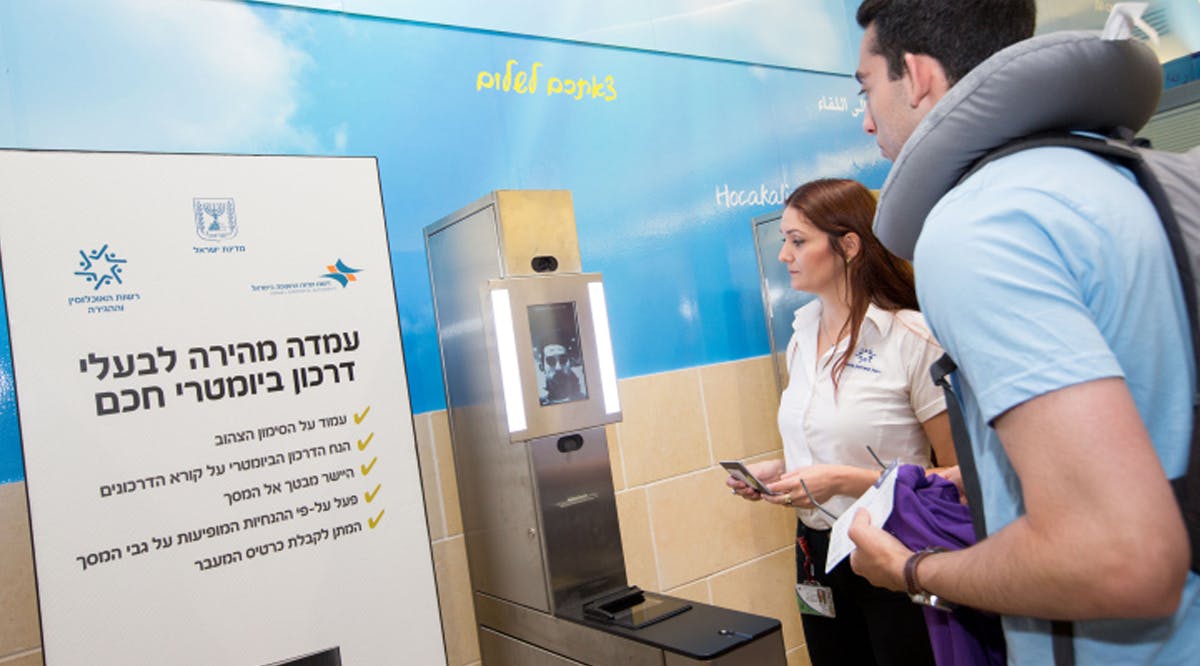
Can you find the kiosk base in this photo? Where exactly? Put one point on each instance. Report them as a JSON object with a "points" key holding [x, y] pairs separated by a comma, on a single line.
{"points": [[516, 635]]}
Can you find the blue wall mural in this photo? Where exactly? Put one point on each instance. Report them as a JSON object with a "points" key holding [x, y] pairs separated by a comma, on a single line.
{"points": [[756, 31], [668, 157]]}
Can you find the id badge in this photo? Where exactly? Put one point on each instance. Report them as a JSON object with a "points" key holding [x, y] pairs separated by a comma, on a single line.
{"points": [[815, 599]]}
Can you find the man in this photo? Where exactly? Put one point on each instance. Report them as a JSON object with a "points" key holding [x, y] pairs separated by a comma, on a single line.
{"points": [[563, 384], [1046, 276]]}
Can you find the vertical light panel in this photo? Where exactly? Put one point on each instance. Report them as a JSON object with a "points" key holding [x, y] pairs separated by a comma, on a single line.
{"points": [[506, 346], [604, 349]]}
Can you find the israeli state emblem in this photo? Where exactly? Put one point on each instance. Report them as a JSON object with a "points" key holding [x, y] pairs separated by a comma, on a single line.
{"points": [[216, 219]]}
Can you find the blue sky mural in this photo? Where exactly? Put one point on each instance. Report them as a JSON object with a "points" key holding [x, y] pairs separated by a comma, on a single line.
{"points": [[668, 157], [754, 31]]}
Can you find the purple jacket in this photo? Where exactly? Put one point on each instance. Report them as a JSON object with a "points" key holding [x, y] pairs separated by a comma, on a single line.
{"points": [[927, 513]]}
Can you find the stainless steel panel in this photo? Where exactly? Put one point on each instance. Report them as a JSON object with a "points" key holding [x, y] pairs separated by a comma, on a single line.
{"points": [[462, 258], [545, 420], [500, 523], [569, 639], [505, 552], [780, 301], [579, 516], [497, 649]]}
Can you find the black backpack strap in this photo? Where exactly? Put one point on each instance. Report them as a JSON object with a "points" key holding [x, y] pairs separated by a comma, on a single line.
{"points": [[1062, 642], [940, 371], [1062, 633]]}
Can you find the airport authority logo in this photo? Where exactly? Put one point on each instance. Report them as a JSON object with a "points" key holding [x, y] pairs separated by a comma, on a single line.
{"points": [[338, 274], [216, 219], [100, 267], [864, 359], [342, 273]]}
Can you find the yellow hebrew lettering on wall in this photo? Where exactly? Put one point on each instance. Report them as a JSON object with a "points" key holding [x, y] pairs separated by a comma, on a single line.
{"points": [[513, 79], [593, 88], [524, 81]]}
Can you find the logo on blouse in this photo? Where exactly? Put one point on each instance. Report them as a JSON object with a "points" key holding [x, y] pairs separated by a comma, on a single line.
{"points": [[864, 359]]}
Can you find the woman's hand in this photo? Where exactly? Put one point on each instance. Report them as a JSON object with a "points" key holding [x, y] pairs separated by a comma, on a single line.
{"points": [[766, 472], [823, 481], [953, 475]]}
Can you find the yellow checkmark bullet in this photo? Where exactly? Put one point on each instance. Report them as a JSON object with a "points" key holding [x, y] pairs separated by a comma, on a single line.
{"points": [[363, 443], [366, 469], [370, 494], [358, 418], [375, 521]]}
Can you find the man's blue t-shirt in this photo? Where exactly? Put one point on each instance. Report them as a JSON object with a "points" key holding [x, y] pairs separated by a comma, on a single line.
{"points": [[1046, 269]]}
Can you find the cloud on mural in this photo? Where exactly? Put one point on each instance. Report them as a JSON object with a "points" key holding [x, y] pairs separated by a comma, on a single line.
{"points": [[151, 75], [760, 31]]}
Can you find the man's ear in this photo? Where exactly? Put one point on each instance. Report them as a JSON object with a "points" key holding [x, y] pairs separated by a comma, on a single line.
{"points": [[925, 80]]}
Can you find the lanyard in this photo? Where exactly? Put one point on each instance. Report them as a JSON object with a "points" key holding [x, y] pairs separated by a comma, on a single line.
{"points": [[810, 567]]}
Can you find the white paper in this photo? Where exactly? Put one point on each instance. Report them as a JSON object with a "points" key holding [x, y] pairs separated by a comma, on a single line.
{"points": [[878, 501]]}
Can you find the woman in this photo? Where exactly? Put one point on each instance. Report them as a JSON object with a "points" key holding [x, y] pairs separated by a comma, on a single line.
{"points": [[858, 363]]}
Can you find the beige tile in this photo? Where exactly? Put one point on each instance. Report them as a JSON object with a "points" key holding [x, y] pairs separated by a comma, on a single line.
{"points": [[454, 596], [697, 591], [700, 528], [663, 433], [430, 487], [27, 659], [640, 564], [19, 627], [798, 657], [445, 464], [741, 404], [763, 587], [614, 456]]}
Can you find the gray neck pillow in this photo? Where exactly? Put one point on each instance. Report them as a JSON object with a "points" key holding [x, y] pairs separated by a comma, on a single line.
{"points": [[1059, 81]]}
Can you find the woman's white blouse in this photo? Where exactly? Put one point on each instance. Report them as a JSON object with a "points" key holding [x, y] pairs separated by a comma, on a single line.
{"points": [[884, 395]]}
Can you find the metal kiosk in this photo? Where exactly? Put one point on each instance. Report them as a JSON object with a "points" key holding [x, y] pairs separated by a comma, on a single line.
{"points": [[530, 385]]}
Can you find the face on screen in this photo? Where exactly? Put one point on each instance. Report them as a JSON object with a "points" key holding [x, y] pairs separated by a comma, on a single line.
{"points": [[554, 329]]}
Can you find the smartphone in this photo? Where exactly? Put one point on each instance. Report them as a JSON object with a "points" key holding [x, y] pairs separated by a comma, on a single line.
{"points": [[738, 471]]}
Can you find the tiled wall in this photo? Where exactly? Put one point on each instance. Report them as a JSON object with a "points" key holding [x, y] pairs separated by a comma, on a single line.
{"points": [[683, 533], [20, 635]]}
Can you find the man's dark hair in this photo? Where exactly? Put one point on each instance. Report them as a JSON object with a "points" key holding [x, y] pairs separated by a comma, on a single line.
{"points": [[959, 34]]}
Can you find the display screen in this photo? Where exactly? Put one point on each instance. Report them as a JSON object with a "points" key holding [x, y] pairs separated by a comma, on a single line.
{"points": [[554, 331]]}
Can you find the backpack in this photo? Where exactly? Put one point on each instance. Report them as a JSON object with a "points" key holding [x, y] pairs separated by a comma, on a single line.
{"points": [[1103, 87], [1172, 182]]}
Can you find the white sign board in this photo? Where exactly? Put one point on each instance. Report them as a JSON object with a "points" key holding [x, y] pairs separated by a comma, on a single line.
{"points": [[214, 413]]}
